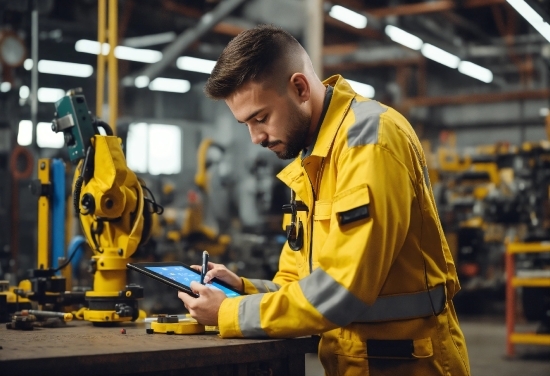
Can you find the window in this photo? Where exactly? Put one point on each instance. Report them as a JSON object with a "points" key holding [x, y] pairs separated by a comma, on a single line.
{"points": [[154, 148], [45, 137]]}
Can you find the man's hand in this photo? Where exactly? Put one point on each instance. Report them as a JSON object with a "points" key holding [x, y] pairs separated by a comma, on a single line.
{"points": [[221, 272], [205, 308]]}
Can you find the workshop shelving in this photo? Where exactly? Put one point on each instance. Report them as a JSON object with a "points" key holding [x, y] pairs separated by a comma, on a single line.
{"points": [[512, 282]]}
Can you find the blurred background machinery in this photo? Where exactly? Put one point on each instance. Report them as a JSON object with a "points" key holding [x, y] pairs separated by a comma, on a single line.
{"points": [[496, 194]]}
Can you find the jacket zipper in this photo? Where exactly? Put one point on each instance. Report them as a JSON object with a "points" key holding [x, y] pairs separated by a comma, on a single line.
{"points": [[313, 191]]}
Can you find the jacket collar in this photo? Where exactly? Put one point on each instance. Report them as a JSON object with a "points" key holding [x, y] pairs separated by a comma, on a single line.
{"points": [[339, 105], [338, 108]]}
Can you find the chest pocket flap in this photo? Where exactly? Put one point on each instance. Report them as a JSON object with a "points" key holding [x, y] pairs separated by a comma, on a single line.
{"points": [[323, 210], [352, 205]]}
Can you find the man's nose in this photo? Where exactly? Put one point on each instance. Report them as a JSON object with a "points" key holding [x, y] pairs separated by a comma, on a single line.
{"points": [[256, 135]]}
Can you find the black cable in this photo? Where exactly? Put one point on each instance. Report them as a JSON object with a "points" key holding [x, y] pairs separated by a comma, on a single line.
{"points": [[62, 266], [79, 182], [104, 125], [157, 208]]}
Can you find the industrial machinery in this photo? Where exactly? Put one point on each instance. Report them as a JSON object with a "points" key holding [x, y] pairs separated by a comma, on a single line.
{"points": [[112, 207], [204, 220], [499, 194]]}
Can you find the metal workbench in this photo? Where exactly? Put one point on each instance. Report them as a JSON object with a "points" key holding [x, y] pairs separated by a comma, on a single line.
{"points": [[83, 349]]}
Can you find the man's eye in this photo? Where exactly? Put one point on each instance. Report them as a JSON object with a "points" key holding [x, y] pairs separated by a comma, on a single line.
{"points": [[262, 120]]}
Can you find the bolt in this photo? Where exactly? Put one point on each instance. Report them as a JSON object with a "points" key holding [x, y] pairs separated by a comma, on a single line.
{"points": [[120, 252], [42, 165]]}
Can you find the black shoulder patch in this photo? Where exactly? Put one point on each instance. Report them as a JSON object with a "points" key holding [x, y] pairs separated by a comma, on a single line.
{"points": [[355, 214]]}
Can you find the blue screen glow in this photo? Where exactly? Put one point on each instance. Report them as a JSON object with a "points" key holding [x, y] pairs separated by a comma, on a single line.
{"points": [[185, 277]]}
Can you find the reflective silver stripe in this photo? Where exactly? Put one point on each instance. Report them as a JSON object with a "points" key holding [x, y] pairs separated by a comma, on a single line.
{"points": [[330, 298], [400, 307], [263, 285], [426, 175], [249, 317], [341, 307], [367, 120]]}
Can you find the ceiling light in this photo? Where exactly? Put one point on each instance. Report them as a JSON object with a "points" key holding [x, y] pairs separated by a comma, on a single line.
{"points": [[195, 64], [5, 87], [149, 40], [442, 57], [136, 54], [475, 71], [141, 81], [65, 68], [50, 95], [121, 52], [91, 47], [348, 16], [27, 64], [532, 17], [404, 38], [46, 138], [361, 88], [24, 92], [170, 84], [24, 135]]}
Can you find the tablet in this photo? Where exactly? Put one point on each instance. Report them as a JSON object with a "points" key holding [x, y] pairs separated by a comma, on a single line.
{"points": [[179, 276]]}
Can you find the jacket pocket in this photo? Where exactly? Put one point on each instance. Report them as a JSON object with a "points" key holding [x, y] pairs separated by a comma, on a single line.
{"points": [[352, 205], [404, 349], [400, 349]]}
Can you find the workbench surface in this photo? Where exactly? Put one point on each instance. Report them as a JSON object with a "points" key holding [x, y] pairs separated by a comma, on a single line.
{"points": [[81, 348]]}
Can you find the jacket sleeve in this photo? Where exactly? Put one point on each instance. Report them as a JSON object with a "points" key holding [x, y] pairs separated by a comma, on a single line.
{"points": [[353, 262], [287, 273]]}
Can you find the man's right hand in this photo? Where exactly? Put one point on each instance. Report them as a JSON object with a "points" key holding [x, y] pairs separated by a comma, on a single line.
{"points": [[221, 272]]}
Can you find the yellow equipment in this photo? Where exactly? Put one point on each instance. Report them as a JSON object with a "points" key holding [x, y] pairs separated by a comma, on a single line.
{"points": [[114, 213], [173, 325], [195, 230]]}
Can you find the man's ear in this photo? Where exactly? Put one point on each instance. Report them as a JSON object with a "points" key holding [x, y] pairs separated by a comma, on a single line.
{"points": [[300, 86]]}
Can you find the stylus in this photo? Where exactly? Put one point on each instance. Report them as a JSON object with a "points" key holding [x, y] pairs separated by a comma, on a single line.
{"points": [[204, 266]]}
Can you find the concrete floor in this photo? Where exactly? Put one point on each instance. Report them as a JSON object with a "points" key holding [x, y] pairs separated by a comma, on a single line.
{"points": [[486, 341]]}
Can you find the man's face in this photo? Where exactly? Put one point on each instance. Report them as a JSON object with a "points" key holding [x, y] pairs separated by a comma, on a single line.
{"points": [[274, 120]]}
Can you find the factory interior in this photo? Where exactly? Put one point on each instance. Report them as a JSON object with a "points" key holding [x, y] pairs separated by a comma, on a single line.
{"points": [[472, 78]]}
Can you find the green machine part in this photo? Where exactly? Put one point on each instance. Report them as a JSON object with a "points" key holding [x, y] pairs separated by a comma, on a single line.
{"points": [[73, 118]]}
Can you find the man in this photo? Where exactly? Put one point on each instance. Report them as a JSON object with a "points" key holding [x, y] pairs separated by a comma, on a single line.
{"points": [[367, 265]]}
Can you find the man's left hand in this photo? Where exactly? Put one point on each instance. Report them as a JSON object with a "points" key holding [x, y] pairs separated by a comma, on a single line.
{"points": [[205, 308]]}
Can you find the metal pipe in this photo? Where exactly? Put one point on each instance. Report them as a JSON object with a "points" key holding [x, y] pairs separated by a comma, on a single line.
{"points": [[34, 71], [101, 26], [189, 36], [113, 64], [314, 34]]}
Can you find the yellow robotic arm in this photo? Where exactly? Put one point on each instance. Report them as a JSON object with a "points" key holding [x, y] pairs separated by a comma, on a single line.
{"points": [[113, 210]]}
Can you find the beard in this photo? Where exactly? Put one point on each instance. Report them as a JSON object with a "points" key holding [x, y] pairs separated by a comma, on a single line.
{"points": [[296, 133]]}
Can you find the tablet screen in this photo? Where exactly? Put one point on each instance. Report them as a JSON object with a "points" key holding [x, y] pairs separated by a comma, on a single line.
{"points": [[185, 277]]}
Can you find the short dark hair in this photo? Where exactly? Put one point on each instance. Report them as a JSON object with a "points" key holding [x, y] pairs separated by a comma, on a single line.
{"points": [[253, 55]]}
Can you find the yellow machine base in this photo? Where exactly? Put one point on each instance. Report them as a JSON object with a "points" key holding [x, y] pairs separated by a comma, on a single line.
{"points": [[104, 317], [188, 327]]}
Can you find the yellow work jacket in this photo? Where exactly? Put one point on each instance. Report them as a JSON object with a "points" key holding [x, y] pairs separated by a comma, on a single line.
{"points": [[375, 275]]}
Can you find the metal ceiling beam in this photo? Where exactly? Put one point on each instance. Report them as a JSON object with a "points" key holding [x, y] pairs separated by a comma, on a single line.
{"points": [[476, 98], [171, 52], [370, 55], [429, 7], [350, 66]]}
